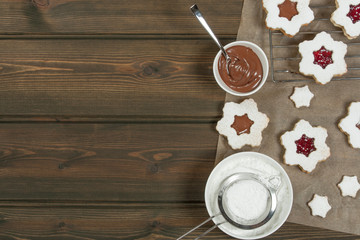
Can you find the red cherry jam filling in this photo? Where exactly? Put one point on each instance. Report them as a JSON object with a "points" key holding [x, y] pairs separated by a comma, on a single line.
{"points": [[288, 9], [354, 13], [323, 57], [305, 145], [242, 124]]}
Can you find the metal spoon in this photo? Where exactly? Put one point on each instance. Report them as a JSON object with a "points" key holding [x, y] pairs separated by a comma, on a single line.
{"points": [[201, 19]]}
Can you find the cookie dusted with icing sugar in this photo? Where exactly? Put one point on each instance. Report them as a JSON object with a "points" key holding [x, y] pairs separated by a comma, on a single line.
{"points": [[242, 124], [350, 125], [322, 58], [319, 206], [287, 15], [305, 146], [302, 96], [347, 17], [349, 186]]}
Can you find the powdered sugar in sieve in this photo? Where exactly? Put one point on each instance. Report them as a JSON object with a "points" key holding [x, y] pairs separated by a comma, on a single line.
{"points": [[246, 200]]}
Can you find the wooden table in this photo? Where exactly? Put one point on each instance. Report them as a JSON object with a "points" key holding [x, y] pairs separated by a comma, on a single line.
{"points": [[108, 112]]}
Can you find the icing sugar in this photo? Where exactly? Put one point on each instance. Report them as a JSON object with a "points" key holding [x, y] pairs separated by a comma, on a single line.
{"points": [[247, 199], [252, 163]]}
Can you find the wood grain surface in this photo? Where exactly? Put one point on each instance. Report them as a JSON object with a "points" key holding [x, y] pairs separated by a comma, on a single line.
{"points": [[117, 77], [107, 119], [129, 221], [116, 17], [106, 162]]}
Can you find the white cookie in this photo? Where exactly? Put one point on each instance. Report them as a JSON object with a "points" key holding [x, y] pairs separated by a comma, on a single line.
{"points": [[305, 146], [319, 206], [289, 26], [342, 17], [302, 96], [238, 133], [349, 186], [350, 125], [324, 43]]}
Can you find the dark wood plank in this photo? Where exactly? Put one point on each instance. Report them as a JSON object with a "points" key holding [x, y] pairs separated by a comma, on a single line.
{"points": [[114, 16], [150, 221], [106, 162], [167, 77]]}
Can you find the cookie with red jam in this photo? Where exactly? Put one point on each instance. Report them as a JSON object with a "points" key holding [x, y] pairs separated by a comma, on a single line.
{"points": [[322, 58], [305, 146], [347, 17]]}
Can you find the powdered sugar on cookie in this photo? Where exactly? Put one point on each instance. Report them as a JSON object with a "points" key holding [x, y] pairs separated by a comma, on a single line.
{"points": [[319, 206], [305, 146], [302, 96], [349, 186], [322, 58], [287, 15], [350, 125], [242, 124], [347, 16]]}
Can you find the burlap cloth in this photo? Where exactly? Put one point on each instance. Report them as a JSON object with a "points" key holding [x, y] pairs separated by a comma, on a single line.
{"points": [[327, 108]]}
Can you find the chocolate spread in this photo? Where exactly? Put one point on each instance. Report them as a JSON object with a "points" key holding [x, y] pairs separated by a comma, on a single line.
{"points": [[288, 9], [245, 69], [242, 124], [358, 126]]}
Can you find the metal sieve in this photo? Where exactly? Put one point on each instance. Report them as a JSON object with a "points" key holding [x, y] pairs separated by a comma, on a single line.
{"points": [[270, 183]]}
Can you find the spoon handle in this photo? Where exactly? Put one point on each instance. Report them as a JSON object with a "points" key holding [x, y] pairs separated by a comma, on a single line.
{"points": [[201, 19]]}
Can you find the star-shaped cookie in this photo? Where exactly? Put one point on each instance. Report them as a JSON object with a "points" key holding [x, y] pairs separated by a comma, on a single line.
{"points": [[305, 146], [347, 17], [302, 96], [349, 186], [322, 58], [287, 15], [319, 206], [350, 125], [242, 123]]}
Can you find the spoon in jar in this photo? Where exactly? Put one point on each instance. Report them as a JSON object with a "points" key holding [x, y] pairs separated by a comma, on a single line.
{"points": [[201, 19]]}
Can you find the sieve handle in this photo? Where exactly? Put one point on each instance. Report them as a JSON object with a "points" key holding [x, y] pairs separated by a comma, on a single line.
{"points": [[204, 233], [273, 182], [207, 231]]}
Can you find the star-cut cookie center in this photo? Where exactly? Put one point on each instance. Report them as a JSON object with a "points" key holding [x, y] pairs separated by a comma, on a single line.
{"points": [[305, 145], [354, 13], [242, 124], [323, 57], [288, 9], [349, 186]]}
